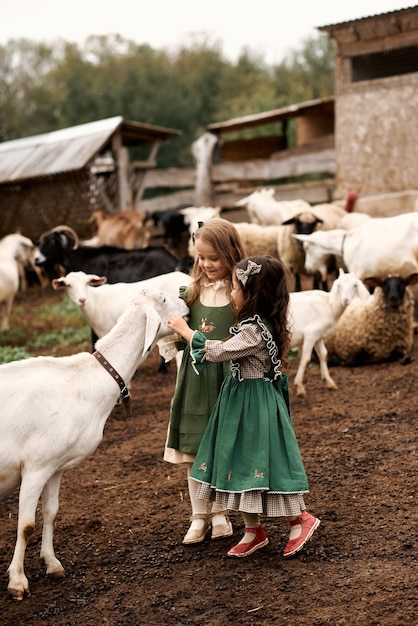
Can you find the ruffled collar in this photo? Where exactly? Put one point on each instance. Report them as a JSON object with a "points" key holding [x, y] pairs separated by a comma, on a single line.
{"points": [[271, 347], [219, 284]]}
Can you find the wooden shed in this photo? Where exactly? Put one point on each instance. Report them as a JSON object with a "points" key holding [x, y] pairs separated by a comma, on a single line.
{"points": [[61, 176], [242, 164], [376, 104]]}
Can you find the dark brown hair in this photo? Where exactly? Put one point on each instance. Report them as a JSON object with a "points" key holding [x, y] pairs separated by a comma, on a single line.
{"points": [[267, 294]]}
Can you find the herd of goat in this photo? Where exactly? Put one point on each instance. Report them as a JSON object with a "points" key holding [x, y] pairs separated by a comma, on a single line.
{"points": [[127, 289]]}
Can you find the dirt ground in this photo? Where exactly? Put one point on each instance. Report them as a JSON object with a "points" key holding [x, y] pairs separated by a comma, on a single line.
{"points": [[124, 511]]}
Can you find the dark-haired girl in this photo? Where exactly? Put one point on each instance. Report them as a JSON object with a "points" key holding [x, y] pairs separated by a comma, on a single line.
{"points": [[249, 458]]}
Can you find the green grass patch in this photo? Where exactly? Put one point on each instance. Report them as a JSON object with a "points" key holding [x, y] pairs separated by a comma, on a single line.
{"points": [[50, 328], [8, 354]]}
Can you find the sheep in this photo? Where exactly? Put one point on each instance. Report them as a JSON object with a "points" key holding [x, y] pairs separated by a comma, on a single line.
{"points": [[377, 247], [378, 330], [329, 215], [258, 239], [313, 314], [264, 209], [319, 217], [277, 241], [54, 410], [14, 249], [291, 252]]}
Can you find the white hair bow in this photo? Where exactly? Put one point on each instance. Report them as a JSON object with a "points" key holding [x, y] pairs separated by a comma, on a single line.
{"points": [[252, 268]]}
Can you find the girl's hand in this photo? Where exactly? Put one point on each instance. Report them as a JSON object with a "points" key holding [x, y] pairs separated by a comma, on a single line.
{"points": [[179, 325]]}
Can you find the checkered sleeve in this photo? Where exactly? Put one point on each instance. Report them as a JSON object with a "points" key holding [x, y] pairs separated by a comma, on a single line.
{"points": [[245, 343]]}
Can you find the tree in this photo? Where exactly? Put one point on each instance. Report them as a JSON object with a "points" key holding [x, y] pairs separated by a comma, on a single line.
{"points": [[47, 87], [308, 73]]}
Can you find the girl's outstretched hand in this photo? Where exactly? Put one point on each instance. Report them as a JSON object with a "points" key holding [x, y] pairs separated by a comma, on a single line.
{"points": [[179, 325]]}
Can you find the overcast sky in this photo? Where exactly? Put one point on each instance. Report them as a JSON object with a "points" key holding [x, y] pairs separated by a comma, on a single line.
{"points": [[268, 27]]}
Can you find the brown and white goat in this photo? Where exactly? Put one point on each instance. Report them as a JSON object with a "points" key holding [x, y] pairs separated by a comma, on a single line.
{"points": [[126, 229]]}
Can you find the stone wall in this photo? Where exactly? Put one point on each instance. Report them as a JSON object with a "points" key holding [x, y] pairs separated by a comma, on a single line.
{"points": [[377, 136]]}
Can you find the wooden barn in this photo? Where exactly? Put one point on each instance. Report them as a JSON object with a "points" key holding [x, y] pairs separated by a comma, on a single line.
{"points": [[60, 177]]}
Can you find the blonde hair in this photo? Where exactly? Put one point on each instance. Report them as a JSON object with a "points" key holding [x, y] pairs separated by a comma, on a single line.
{"points": [[224, 238]]}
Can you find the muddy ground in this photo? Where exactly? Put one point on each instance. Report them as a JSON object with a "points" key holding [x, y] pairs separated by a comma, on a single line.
{"points": [[124, 511]]}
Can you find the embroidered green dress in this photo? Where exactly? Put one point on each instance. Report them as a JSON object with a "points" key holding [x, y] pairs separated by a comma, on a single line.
{"points": [[249, 458], [195, 395]]}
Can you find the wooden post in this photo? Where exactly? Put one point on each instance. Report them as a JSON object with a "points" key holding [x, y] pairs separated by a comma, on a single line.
{"points": [[140, 179], [202, 150], [121, 156]]}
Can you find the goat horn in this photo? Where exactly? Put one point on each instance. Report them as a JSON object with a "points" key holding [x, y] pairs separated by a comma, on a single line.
{"points": [[64, 228]]}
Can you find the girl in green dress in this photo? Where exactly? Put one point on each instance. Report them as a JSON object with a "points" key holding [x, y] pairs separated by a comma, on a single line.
{"points": [[249, 458], [218, 249]]}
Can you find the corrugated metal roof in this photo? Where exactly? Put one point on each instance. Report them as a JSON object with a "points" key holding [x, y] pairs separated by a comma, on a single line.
{"points": [[71, 148], [268, 117], [331, 27]]}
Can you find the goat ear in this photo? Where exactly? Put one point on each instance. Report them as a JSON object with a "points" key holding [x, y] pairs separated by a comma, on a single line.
{"points": [[95, 281], [151, 329], [58, 283], [334, 292]]}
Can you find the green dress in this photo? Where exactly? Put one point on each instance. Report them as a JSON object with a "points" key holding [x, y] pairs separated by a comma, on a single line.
{"points": [[249, 458], [195, 395]]}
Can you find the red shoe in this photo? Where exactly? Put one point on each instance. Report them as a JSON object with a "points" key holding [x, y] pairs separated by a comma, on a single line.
{"points": [[244, 549], [309, 524]]}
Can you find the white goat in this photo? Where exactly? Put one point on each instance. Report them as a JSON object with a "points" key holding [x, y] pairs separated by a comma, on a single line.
{"points": [[14, 250], [377, 247], [54, 410], [102, 304], [313, 315], [352, 220], [264, 209], [193, 215]]}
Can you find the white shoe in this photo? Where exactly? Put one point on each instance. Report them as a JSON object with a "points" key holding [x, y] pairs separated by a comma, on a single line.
{"points": [[222, 527], [196, 535]]}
